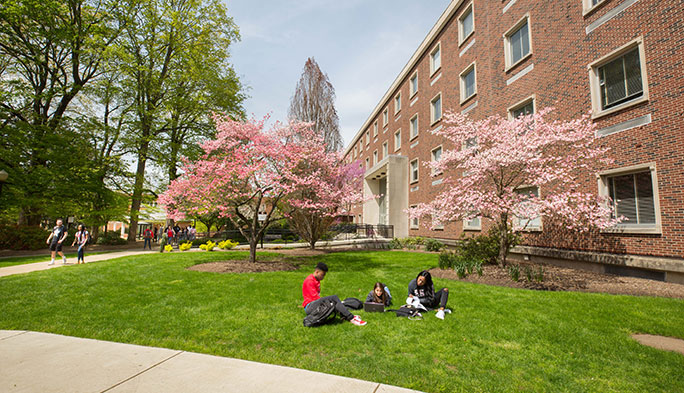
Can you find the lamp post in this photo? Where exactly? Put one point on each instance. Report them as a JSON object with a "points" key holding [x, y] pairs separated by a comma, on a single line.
{"points": [[3, 178]]}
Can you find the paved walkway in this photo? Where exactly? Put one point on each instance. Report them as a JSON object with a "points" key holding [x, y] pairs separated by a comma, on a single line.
{"points": [[43, 362], [33, 267]]}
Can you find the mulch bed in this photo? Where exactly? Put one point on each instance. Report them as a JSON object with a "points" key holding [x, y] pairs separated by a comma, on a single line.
{"points": [[243, 267], [565, 279]]}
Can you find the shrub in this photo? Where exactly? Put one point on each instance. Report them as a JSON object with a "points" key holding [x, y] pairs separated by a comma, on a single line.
{"points": [[168, 248], [462, 265], [227, 244], [16, 237], [209, 246], [111, 238], [199, 240], [433, 245], [185, 246], [514, 272], [395, 244], [539, 275]]}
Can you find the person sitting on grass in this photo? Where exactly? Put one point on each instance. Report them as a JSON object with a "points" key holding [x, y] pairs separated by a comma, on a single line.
{"points": [[421, 291], [311, 291], [380, 294]]}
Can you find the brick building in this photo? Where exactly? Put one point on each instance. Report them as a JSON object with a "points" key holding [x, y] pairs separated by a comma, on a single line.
{"points": [[621, 59]]}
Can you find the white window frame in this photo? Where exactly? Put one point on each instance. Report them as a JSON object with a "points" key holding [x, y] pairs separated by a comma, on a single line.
{"points": [[375, 158], [433, 68], [412, 129], [397, 103], [524, 102], [355, 151], [507, 41], [411, 179], [587, 7], [414, 223], [367, 138], [461, 36], [411, 91], [367, 163], [604, 191], [468, 227], [595, 87], [385, 117], [434, 120], [385, 149], [397, 137], [432, 158], [461, 78], [375, 129], [516, 220]]}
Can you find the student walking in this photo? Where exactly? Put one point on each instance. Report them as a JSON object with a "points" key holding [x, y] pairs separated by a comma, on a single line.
{"points": [[57, 236], [421, 290], [311, 291], [81, 239], [147, 235]]}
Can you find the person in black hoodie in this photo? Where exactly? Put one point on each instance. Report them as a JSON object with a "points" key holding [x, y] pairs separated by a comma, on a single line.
{"points": [[423, 289]]}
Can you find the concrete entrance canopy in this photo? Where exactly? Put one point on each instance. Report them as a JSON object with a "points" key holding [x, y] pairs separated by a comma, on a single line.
{"points": [[388, 181]]}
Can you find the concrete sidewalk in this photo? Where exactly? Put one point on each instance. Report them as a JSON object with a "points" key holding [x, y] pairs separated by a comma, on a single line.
{"points": [[33, 267], [43, 362]]}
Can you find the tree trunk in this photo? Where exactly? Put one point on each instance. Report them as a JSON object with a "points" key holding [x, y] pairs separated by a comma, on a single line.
{"points": [[503, 239], [136, 200], [253, 242]]}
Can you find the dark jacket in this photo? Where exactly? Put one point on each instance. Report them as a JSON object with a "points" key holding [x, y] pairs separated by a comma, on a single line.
{"points": [[371, 298], [426, 293]]}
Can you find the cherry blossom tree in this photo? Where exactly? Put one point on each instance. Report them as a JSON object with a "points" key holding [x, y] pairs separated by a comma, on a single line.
{"points": [[514, 170], [247, 173]]}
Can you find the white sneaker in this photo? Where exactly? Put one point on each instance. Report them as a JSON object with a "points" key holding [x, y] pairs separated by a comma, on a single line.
{"points": [[52, 262], [440, 314], [357, 321], [447, 310]]}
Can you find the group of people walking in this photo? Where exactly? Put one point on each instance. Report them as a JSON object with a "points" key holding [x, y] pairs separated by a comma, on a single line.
{"points": [[56, 239], [172, 234], [421, 294]]}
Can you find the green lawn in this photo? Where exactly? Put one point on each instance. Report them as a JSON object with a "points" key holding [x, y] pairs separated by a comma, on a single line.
{"points": [[12, 261], [498, 339]]}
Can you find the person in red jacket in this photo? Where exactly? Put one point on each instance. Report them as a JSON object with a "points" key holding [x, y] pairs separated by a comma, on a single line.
{"points": [[311, 291]]}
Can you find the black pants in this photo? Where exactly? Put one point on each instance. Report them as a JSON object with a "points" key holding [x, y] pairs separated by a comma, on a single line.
{"points": [[440, 299], [339, 307]]}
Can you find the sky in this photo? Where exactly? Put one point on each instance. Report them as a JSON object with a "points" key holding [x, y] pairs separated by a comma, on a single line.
{"points": [[361, 45]]}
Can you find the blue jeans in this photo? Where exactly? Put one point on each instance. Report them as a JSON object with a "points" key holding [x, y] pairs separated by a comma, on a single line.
{"points": [[148, 243]]}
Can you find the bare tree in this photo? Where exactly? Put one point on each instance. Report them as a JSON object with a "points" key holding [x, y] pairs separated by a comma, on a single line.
{"points": [[314, 102]]}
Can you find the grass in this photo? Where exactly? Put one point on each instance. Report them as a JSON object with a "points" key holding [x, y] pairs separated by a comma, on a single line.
{"points": [[497, 339], [12, 261]]}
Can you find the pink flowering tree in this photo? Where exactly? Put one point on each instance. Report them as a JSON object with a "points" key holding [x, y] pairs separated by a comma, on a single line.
{"points": [[512, 171], [248, 173]]}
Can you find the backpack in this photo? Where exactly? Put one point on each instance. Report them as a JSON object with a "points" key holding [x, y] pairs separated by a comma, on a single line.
{"points": [[353, 303], [409, 312], [320, 314]]}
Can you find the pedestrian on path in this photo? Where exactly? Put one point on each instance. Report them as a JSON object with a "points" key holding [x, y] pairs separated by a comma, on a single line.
{"points": [[57, 236], [147, 234], [81, 239]]}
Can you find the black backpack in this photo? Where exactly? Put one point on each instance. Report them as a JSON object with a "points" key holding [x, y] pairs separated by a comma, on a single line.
{"points": [[353, 303], [409, 312], [320, 314]]}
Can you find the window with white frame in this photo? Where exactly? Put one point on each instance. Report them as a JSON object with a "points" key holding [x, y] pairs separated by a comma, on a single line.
{"points": [[436, 156], [474, 224], [466, 24], [385, 117], [397, 140], [413, 170], [435, 59], [367, 163], [413, 126], [360, 145], [385, 150], [524, 108], [437, 227], [436, 108], [375, 157], [590, 4], [397, 103], [355, 151], [414, 221], [367, 137], [413, 84], [375, 129], [619, 79], [532, 222], [634, 195], [517, 42], [468, 82]]}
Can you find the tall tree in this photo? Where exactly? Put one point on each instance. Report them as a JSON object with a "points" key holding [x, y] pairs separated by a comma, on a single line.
{"points": [[314, 102], [163, 56], [503, 160]]}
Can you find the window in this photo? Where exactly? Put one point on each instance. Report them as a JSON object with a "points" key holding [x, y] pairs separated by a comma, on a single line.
{"points": [[465, 24], [367, 137], [436, 108], [360, 146], [355, 151], [468, 83], [375, 157], [523, 108], [533, 222], [413, 84], [413, 169], [474, 224], [634, 195], [590, 5], [435, 59], [385, 150], [413, 126], [375, 129], [517, 43], [436, 155], [397, 103], [414, 220], [397, 140], [385, 117], [367, 163], [618, 80]]}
